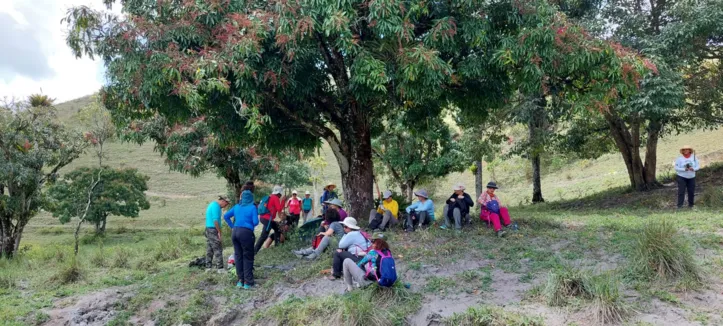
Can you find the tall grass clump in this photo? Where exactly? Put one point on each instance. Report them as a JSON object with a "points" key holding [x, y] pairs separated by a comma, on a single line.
{"points": [[491, 316], [121, 258], [564, 284], [71, 272], [712, 197], [607, 304], [662, 253], [172, 248]]}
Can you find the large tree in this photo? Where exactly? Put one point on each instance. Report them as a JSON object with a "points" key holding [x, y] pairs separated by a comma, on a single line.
{"points": [[33, 148]]}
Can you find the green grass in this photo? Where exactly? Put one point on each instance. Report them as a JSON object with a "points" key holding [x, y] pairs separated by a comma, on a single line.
{"points": [[492, 316]]}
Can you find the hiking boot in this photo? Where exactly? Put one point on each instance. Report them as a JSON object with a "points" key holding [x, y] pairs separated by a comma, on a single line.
{"points": [[443, 227], [313, 256], [501, 233], [248, 287], [333, 278], [239, 285]]}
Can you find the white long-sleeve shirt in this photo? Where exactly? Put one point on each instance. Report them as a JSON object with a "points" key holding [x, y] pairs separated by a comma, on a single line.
{"points": [[680, 164]]}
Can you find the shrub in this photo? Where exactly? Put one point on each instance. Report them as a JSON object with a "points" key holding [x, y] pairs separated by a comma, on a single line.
{"points": [[120, 259], [564, 284], [712, 197], [92, 238], [662, 252], [172, 248], [148, 264], [491, 316], [607, 303], [70, 273], [7, 280], [98, 258]]}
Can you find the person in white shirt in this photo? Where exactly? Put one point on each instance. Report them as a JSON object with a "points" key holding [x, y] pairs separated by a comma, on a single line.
{"points": [[685, 166]]}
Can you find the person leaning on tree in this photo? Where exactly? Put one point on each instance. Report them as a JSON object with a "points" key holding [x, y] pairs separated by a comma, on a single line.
{"points": [[685, 166], [214, 246], [387, 212]]}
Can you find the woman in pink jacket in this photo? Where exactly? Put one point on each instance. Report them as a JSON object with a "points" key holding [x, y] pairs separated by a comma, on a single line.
{"points": [[493, 213]]}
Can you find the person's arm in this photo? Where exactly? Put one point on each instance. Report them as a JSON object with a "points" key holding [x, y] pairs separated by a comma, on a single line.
{"points": [[468, 200], [228, 217], [345, 242], [255, 217], [394, 208], [451, 200], [679, 166], [313, 208], [499, 201], [413, 206], [696, 164], [218, 228], [368, 257]]}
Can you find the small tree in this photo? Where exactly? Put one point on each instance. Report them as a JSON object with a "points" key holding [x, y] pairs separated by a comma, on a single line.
{"points": [[120, 192], [33, 147], [98, 126]]}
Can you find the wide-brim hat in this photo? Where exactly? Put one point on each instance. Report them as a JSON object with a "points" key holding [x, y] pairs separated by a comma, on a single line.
{"points": [[224, 198], [421, 193], [330, 184], [387, 194], [351, 223], [458, 186], [686, 147], [307, 193], [277, 190], [335, 202], [492, 185], [293, 192]]}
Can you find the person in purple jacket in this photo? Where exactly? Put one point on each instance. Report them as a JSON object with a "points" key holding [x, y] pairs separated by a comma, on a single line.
{"points": [[246, 218]]}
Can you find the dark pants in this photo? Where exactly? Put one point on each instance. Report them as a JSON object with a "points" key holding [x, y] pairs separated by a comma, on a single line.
{"points": [[418, 219], [683, 185], [265, 233], [338, 265], [214, 249], [243, 246], [293, 220]]}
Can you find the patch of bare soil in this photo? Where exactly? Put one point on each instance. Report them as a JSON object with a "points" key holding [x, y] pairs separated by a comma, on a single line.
{"points": [[91, 309]]}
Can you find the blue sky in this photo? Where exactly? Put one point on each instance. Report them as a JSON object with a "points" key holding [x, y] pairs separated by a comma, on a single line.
{"points": [[35, 56]]}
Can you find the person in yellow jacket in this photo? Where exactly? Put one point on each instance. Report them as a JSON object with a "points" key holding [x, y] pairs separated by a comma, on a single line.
{"points": [[386, 214]]}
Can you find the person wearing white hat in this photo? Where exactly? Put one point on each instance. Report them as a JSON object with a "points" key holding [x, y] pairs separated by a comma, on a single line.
{"points": [[457, 207], [421, 212], [268, 209], [353, 245], [327, 196], [294, 207], [385, 214], [685, 166], [307, 207]]}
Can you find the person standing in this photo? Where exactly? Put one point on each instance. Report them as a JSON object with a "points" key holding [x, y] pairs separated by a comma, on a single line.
{"points": [[307, 207], [685, 166], [214, 247], [423, 211], [246, 219], [457, 208], [294, 207], [327, 196], [387, 212], [268, 209]]}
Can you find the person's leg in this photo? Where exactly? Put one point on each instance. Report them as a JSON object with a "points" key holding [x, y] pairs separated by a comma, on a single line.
{"points": [[410, 221], [277, 232], [495, 219], [423, 218], [681, 190], [445, 211], [353, 273], [238, 253], [457, 214], [209, 248], [387, 219], [247, 246], [217, 247], [372, 215], [505, 215], [691, 191], [264, 234], [339, 260]]}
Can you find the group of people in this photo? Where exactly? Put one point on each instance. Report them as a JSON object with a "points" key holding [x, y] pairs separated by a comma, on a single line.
{"points": [[357, 256]]}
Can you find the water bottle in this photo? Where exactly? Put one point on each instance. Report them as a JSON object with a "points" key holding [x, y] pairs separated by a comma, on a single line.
{"points": [[407, 285]]}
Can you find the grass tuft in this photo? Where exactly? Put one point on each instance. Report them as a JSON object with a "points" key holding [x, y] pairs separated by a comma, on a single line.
{"points": [[491, 316], [98, 257], [565, 283], [662, 252], [607, 303], [70, 273], [712, 197], [121, 258]]}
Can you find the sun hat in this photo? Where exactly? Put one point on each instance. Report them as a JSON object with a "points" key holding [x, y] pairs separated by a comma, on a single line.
{"points": [[329, 184], [686, 147], [277, 190], [421, 193], [458, 186], [335, 202], [224, 198], [378, 235], [350, 222], [387, 194], [307, 193], [293, 192], [492, 185]]}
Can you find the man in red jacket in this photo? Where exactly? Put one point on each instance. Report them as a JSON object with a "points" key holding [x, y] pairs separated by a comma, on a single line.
{"points": [[274, 207]]}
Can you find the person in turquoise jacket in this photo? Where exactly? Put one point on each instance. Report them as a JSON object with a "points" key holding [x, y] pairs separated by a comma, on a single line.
{"points": [[246, 218], [423, 211]]}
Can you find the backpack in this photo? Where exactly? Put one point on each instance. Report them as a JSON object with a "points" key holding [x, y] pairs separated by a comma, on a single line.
{"points": [[386, 275], [316, 241], [306, 204], [263, 206], [493, 206]]}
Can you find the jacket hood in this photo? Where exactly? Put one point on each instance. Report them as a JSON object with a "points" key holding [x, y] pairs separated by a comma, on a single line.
{"points": [[247, 198]]}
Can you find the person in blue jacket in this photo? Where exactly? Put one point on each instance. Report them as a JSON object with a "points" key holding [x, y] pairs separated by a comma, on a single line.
{"points": [[246, 218]]}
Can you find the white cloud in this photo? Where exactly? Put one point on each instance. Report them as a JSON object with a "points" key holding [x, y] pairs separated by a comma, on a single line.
{"points": [[68, 78]]}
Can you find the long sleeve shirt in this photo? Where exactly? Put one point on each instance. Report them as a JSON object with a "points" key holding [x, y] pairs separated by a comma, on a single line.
{"points": [[354, 242], [419, 206], [392, 207], [245, 213], [680, 164], [274, 206], [485, 198], [463, 204]]}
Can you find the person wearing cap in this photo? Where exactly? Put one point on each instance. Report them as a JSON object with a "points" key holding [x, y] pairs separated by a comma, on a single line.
{"points": [[267, 219], [327, 196], [685, 166], [307, 207], [423, 211], [387, 211], [457, 207], [355, 273], [330, 228], [491, 217], [336, 204], [214, 247], [353, 245], [294, 207], [246, 218]]}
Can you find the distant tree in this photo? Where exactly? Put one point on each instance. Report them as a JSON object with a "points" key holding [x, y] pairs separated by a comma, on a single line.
{"points": [[98, 126], [33, 148], [482, 143], [120, 192], [290, 171], [408, 157]]}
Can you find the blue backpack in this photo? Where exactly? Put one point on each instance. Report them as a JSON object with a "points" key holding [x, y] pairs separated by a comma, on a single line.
{"points": [[263, 206], [493, 206], [387, 273]]}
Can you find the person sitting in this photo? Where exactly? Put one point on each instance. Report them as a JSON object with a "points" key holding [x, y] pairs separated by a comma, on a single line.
{"points": [[329, 228], [492, 212], [385, 214], [421, 212], [457, 207], [336, 205], [357, 274], [294, 207], [327, 196], [245, 220], [353, 245]]}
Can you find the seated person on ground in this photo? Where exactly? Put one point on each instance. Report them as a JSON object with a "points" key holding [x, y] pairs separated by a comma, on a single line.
{"points": [[386, 214], [421, 212], [353, 245], [492, 209], [329, 228], [336, 205], [457, 208], [366, 271]]}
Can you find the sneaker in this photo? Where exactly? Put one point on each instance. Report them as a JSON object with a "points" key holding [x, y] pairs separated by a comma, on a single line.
{"points": [[248, 287], [239, 284], [443, 227], [313, 256], [332, 278], [501, 233]]}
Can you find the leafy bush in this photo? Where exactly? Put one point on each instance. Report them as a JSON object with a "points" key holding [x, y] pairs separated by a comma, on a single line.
{"points": [[491, 316], [662, 252]]}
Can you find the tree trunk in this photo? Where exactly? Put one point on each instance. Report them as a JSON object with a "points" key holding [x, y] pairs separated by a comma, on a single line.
{"points": [[627, 140], [102, 223], [651, 153], [536, 124], [408, 190], [233, 182], [478, 178]]}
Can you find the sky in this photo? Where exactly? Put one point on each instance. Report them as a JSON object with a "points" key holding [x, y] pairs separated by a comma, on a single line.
{"points": [[34, 56]]}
